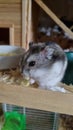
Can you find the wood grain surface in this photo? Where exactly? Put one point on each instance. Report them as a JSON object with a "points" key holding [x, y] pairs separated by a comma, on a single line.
{"points": [[36, 98]]}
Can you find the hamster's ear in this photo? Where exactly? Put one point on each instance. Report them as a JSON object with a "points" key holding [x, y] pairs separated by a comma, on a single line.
{"points": [[47, 52]]}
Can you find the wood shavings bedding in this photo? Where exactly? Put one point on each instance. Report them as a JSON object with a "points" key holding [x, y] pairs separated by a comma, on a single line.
{"points": [[15, 77], [1, 121], [66, 122], [12, 77]]}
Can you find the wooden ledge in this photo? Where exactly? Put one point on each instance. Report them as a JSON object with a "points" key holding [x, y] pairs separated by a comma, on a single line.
{"points": [[37, 98]]}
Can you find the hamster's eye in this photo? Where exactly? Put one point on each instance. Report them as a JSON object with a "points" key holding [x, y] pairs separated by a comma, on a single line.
{"points": [[31, 63]]}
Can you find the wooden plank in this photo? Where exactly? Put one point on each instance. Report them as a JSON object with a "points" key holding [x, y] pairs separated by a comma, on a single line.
{"points": [[60, 126], [10, 13], [24, 22], [29, 31], [29, 26], [10, 1], [10, 8], [28, 22], [36, 98], [5, 25], [11, 35], [54, 17], [33, 12], [34, 21], [18, 36]]}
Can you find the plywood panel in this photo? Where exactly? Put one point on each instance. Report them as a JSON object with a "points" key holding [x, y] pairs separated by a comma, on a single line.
{"points": [[10, 13], [36, 98], [24, 22], [10, 1], [10, 7], [17, 36], [30, 11]]}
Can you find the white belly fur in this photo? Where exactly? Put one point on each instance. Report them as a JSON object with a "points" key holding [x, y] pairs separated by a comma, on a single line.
{"points": [[51, 77]]}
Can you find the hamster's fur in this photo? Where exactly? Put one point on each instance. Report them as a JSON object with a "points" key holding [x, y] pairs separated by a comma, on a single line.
{"points": [[45, 63]]}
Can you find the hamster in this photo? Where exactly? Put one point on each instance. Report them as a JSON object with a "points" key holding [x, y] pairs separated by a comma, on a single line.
{"points": [[45, 63]]}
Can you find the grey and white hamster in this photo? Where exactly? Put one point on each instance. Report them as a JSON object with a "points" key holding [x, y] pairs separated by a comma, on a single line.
{"points": [[45, 63]]}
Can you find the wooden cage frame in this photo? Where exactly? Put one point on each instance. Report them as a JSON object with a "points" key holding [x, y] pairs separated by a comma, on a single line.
{"points": [[31, 97], [36, 98], [28, 31]]}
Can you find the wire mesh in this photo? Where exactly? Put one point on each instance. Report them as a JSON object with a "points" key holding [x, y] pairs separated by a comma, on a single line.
{"points": [[36, 119]]}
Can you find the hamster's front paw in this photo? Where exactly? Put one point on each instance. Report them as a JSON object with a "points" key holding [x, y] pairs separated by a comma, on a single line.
{"points": [[32, 81]]}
